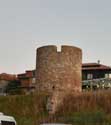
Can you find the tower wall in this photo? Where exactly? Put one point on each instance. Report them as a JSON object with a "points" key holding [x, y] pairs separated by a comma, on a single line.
{"points": [[59, 71]]}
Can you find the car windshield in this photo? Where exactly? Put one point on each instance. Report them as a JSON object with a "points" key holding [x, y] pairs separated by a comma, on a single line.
{"points": [[7, 123]]}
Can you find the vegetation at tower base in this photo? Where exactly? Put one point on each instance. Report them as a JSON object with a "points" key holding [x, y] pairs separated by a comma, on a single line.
{"points": [[88, 108]]}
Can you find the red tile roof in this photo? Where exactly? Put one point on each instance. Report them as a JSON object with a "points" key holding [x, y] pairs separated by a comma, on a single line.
{"points": [[27, 74], [94, 66], [7, 77]]}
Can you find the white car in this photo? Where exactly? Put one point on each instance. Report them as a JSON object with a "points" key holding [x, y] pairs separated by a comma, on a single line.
{"points": [[7, 120]]}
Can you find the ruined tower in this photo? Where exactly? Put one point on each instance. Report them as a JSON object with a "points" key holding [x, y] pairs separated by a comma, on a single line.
{"points": [[58, 72]]}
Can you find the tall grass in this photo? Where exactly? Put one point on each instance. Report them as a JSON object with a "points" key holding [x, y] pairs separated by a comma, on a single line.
{"points": [[87, 101], [87, 108], [28, 110]]}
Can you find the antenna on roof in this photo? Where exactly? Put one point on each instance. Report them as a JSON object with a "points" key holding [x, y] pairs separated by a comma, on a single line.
{"points": [[98, 61]]}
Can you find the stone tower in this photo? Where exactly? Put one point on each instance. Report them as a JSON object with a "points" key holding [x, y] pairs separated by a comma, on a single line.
{"points": [[58, 72]]}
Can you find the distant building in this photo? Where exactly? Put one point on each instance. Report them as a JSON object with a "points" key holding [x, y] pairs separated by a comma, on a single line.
{"points": [[27, 81], [95, 71], [5, 79], [8, 77]]}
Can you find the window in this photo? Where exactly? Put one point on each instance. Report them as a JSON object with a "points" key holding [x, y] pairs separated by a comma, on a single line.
{"points": [[106, 75], [1, 90], [33, 80], [89, 76]]}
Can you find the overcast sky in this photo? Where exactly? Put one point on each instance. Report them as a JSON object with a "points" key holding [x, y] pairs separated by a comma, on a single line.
{"points": [[28, 24]]}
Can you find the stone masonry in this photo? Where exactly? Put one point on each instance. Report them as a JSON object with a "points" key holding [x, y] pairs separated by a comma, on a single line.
{"points": [[58, 73]]}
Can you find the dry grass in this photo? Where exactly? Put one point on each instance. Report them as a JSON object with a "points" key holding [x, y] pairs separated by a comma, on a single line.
{"points": [[87, 101], [27, 110], [87, 108]]}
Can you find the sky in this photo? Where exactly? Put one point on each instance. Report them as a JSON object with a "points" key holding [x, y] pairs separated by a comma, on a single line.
{"points": [[26, 25]]}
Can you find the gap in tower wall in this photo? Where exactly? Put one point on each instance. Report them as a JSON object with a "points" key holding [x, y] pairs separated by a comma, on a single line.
{"points": [[59, 48]]}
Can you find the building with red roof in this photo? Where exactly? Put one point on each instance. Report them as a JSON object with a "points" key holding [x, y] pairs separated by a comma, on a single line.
{"points": [[95, 71], [5, 80], [27, 81]]}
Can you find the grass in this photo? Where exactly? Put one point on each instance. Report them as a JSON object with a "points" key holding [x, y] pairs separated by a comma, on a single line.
{"points": [[27, 110], [87, 108], [85, 118]]}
